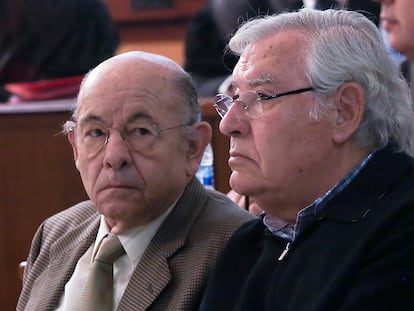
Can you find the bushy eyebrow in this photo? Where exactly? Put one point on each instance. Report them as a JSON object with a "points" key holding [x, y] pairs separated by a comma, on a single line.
{"points": [[90, 118], [262, 79]]}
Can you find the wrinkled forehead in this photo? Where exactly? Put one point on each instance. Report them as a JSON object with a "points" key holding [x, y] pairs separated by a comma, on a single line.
{"points": [[271, 60], [115, 95]]}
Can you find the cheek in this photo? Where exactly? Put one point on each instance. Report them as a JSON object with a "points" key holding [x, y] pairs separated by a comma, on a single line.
{"points": [[162, 167], [89, 170], [409, 28], [292, 138], [401, 39], [280, 133]]}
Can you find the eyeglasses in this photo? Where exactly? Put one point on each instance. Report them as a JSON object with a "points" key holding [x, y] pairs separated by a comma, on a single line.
{"points": [[140, 136], [251, 101]]}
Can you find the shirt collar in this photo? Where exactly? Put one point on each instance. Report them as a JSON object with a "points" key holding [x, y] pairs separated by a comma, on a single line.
{"points": [[134, 240], [286, 231]]}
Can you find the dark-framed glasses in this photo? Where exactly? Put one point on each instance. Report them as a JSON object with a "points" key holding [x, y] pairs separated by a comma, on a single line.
{"points": [[140, 136], [251, 101]]}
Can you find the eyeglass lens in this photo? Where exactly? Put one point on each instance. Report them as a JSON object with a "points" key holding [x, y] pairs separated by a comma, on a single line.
{"points": [[250, 102], [94, 135]]}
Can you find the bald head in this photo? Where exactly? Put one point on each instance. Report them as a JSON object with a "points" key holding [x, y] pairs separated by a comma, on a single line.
{"points": [[157, 73], [138, 60]]}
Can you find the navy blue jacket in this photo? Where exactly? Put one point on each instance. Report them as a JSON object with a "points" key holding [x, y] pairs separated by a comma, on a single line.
{"points": [[358, 255]]}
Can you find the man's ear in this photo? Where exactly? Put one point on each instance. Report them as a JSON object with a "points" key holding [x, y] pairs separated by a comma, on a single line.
{"points": [[350, 103], [195, 151], [71, 138]]}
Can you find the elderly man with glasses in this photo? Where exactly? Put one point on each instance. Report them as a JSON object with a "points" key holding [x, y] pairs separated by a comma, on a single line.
{"points": [[150, 234], [321, 134]]}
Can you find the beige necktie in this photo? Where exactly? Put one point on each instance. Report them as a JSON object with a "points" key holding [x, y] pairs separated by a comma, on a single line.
{"points": [[97, 294]]}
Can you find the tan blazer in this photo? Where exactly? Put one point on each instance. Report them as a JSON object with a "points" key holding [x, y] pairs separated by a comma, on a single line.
{"points": [[173, 271]]}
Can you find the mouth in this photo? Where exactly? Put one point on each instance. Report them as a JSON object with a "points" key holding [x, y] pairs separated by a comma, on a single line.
{"points": [[117, 187], [236, 159], [234, 154]]}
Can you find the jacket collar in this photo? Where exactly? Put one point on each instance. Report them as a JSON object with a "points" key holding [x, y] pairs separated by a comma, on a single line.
{"points": [[373, 182]]}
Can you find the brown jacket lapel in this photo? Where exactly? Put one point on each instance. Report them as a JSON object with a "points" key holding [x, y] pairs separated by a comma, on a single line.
{"points": [[55, 267], [152, 273]]}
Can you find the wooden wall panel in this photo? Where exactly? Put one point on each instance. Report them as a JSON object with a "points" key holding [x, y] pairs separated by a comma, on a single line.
{"points": [[38, 178]]}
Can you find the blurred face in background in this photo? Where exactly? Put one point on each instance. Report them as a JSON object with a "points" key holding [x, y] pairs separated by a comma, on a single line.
{"points": [[397, 19]]}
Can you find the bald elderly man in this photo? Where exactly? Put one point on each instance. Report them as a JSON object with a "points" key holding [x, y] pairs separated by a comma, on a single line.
{"points": [[137, 142]]}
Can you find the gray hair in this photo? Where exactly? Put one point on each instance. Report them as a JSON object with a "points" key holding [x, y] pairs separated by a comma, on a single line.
{"points": [[343, 46], [186, 90]]}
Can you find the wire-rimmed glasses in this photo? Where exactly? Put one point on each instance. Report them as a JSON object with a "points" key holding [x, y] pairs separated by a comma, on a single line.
{"points": [[140, 136], [251, 101]]}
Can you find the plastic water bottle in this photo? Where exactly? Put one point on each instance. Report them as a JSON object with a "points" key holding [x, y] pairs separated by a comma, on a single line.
{"points": [[205, 173]]}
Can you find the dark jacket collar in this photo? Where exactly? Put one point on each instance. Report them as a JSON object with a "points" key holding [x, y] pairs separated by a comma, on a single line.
{"points": [[380, 175]]}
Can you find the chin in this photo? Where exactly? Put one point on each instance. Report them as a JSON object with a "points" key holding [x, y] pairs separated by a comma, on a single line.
{"points": [[239, 184], [114, 210], [131, 213], [111, 203]]}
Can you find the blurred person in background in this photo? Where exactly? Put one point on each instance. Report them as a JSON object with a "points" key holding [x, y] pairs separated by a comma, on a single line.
{"points": [[210, 29], [397, 19], [206, 54], [57, 41]]}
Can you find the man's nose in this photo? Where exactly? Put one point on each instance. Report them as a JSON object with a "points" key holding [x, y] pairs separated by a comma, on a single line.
{"points": [[117, 152], [234, 122]]}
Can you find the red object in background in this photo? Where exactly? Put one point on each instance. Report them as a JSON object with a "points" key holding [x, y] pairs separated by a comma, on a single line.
{"points": [[44, 89]]}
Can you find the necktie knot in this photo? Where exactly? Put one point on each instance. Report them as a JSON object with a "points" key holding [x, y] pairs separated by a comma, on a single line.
{"points": [[109, 250]]}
